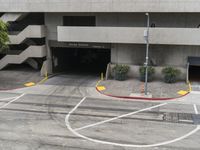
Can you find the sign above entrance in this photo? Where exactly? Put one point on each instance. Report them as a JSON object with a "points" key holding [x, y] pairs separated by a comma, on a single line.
{"points": [[80, 45]]}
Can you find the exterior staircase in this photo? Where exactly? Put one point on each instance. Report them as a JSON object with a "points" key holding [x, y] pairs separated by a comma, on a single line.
{"points": [[10, 17], [33, 51], [31, 31]]}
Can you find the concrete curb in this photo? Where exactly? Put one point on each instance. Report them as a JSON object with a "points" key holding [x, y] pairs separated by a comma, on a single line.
{"points": [[143, 98], [40, 82]]}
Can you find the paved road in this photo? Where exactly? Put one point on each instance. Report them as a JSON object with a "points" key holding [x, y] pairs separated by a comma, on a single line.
{"points": [[81, 121], [15, 76]]}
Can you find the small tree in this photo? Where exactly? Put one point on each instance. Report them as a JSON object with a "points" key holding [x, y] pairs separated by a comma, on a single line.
{"points": [[4, 39]]}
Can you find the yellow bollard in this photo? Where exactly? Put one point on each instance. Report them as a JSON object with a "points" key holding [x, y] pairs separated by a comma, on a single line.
{"points": [[46, 74], [102, 76]]}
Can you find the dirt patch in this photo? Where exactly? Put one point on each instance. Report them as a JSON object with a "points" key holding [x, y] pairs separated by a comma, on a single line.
{"points": [[158, 89]]}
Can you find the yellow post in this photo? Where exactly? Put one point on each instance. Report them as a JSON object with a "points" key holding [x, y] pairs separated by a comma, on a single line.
{"points": [[46, 74], [101, 76]]}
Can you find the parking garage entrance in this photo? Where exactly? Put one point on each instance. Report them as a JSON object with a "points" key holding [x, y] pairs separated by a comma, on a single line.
{"points": [[80, 60], [194, 69]]}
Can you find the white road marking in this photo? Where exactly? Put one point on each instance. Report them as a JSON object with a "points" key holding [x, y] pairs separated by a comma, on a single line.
{"points": [[121, 144], [77, 106], [11, 101], [8, 98], [195, 109], [118, 117]]}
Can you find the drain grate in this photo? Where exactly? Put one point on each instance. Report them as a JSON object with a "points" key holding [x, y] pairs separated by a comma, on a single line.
{"points": [[178, 118], [170, 117], [185, 118]]}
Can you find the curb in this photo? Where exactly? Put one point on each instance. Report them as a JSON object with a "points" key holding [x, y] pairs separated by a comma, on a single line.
{"points": [[40, 82], [143, 98]]}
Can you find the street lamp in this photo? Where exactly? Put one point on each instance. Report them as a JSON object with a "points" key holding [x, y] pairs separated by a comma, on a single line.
{"points": [[146, 37]]}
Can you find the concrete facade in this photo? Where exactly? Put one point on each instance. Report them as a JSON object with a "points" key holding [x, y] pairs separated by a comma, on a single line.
{"points": [[121, 24], [100, 6]]}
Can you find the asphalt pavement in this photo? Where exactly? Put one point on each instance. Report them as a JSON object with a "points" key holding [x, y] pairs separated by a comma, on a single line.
{"points": [[66, 113]]}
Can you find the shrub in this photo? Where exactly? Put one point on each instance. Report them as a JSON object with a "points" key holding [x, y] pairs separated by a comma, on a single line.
{"points": [[120, 72], [170, 74], [4, 38], [150, 71]]}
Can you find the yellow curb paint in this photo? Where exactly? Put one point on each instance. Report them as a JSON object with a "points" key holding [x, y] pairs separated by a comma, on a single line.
{"points": [[98, 83], [182, 92], [101, 88], [43, 80], [29, 84], [190, 87]]}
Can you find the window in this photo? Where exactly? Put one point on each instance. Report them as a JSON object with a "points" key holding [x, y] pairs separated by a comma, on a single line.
{"points": [[79, 21]]}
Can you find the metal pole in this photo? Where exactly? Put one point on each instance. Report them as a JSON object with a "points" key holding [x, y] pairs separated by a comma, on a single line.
{"points": [[147, 54]]}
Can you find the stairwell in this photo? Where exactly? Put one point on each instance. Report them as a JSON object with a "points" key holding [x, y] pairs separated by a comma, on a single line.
{"points": [[18, 37]]}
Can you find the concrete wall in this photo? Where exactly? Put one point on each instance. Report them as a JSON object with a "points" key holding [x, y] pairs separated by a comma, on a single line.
{"points": [[171, 36], [172, 55], [52, 20], [181, 20], [100, 6], [128, 54], [134, 72], [176, 20], [159, 55], [180, 29]]}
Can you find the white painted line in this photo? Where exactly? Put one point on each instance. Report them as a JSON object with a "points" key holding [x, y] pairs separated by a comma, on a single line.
{"points": [[132, 145], [77, 106], [8, 98], [11, 101], [118, 117], [195, 109], [195, 92], [189, 121], [121, 144]]}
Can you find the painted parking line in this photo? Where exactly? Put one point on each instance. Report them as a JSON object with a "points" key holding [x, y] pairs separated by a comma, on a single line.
{"points": [[122, 144], [8, 98], [15, 99], [118, 117], [195, 109]]}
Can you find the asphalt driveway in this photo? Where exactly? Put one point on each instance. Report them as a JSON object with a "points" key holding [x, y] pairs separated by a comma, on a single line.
{"points": [[49, 121]]}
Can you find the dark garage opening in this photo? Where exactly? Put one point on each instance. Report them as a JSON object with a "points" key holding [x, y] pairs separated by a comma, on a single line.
{"points": [[194, 68], [194, 73], [80, 60]]}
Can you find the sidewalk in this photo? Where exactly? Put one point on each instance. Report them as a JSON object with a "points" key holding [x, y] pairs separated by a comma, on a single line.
{"points": [[157, 89], [16, 76]]}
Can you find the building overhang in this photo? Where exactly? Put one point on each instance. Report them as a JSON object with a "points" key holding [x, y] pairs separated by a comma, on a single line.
{"points": [[129, 35], [99, 6]]}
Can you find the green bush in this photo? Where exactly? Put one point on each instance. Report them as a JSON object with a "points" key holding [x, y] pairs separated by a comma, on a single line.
{"points": [[170, 74], [120, 72], [150, 71], [4, 38]]}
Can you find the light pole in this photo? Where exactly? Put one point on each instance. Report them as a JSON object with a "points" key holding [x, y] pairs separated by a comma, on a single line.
{"points": [[146, 36]]}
